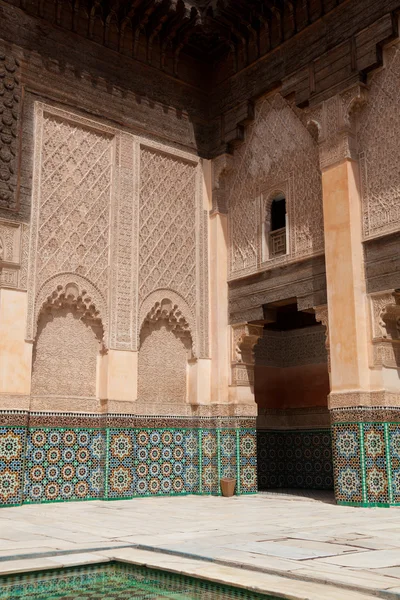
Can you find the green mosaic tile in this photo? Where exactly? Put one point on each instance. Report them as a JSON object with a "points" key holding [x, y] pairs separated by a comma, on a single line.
{"points": [[116, 581]]}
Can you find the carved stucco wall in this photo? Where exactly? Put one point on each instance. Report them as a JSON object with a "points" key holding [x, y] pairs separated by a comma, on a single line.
{"points": [[162, 365], [121, 220], [291, 348], [279, 154], [378, 138], [65, 355], [173, 260], [167, 235], [70, 228]]}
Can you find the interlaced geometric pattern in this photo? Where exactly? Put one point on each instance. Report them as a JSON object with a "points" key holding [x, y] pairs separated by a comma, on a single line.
{"points": [[248, 461], [146, 462], [53, 464], [117, 581], [278, 147], [295, 459], [12, 446], [167, 238], [64, 464], [74, 201], [379, 135]]}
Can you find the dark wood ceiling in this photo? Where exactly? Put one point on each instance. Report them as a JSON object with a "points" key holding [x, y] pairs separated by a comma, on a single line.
{"points": [[161, 32]]}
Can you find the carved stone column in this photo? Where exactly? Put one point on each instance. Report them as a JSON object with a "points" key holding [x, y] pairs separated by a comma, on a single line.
{"points": [[243, 339]]}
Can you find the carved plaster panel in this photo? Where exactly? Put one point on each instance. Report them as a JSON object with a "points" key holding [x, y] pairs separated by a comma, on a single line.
{"points": [[333, 124], [10, 101], [385, 320], [12, 254], [278, 149], [378, 137], [72, 197], [291, 348], [173, 237], [244, 338]]}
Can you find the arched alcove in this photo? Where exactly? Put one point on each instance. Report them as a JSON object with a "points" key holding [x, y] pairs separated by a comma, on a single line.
{"points": [[165, 348], [67, 345]]}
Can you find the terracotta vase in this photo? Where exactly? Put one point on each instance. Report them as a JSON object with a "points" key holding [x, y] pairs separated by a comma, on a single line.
{"points": [[228, 485]]}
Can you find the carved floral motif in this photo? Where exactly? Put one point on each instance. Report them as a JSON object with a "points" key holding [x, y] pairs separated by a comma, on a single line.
{"points": [[379, 132], [278, 148]]}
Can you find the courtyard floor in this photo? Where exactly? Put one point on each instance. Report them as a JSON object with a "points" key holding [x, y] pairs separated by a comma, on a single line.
{"points": [[300, 546]]}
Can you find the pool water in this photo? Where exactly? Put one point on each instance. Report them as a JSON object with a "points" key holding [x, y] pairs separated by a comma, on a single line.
{"points": [[116, 581]]}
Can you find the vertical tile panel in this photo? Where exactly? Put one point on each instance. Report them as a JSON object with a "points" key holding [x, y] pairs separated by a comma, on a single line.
{"points": [[121, 454], [394, 449], [376, 478], [248, 459], [12, 450], [209, 461], [347, 463]]}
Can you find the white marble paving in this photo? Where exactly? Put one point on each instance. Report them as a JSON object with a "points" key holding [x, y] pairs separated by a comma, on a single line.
{"points": [[279, 536]]}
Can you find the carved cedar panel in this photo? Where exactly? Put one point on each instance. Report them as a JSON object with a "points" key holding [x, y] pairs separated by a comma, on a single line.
{"points": [[278, 149], [378, 137], [167, 234], [70, 229], [10, 100]]}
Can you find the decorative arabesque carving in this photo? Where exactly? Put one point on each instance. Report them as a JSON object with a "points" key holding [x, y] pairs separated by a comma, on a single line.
{"points": [[70, 229], [68, 342], [165, 348], [12, 259], [244, 339], [10, 100], [333, 124], [70, 297], [385, 314], [173, 318], [167, 217], [322, 316], [278, 148], [220, 168], [378, 137]]}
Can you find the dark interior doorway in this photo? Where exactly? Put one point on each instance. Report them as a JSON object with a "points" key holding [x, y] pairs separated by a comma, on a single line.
{"points": [[291, 391]]}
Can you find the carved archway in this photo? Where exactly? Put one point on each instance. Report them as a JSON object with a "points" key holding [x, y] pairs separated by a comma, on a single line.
{"points": [[75, 289], [165, 354], [69, 339], [168, 305]]}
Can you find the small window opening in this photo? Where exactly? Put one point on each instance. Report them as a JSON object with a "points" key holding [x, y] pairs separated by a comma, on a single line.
{"points": [[277, 233]]}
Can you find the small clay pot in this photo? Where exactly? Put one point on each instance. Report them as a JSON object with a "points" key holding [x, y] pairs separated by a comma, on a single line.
{"points": [[228, 485]]}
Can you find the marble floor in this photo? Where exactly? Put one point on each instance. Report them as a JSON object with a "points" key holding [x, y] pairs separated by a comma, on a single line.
{"points": [[266, 541]]}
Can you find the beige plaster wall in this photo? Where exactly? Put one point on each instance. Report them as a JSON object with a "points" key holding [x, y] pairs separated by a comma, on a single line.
{"points": [[348, 322], [15, 353]]}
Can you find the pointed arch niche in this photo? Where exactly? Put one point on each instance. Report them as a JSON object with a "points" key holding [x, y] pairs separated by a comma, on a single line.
{"points": [[67, 351], [166, 350]]}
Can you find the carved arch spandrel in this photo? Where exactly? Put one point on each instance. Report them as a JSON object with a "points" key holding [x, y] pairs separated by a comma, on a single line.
{"points": [[84, 292], [171, 306]]}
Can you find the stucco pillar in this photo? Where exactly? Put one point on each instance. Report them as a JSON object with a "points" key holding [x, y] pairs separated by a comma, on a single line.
{"points": [[345, 273], [364, 400], [15, 352], [218, 233]]}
